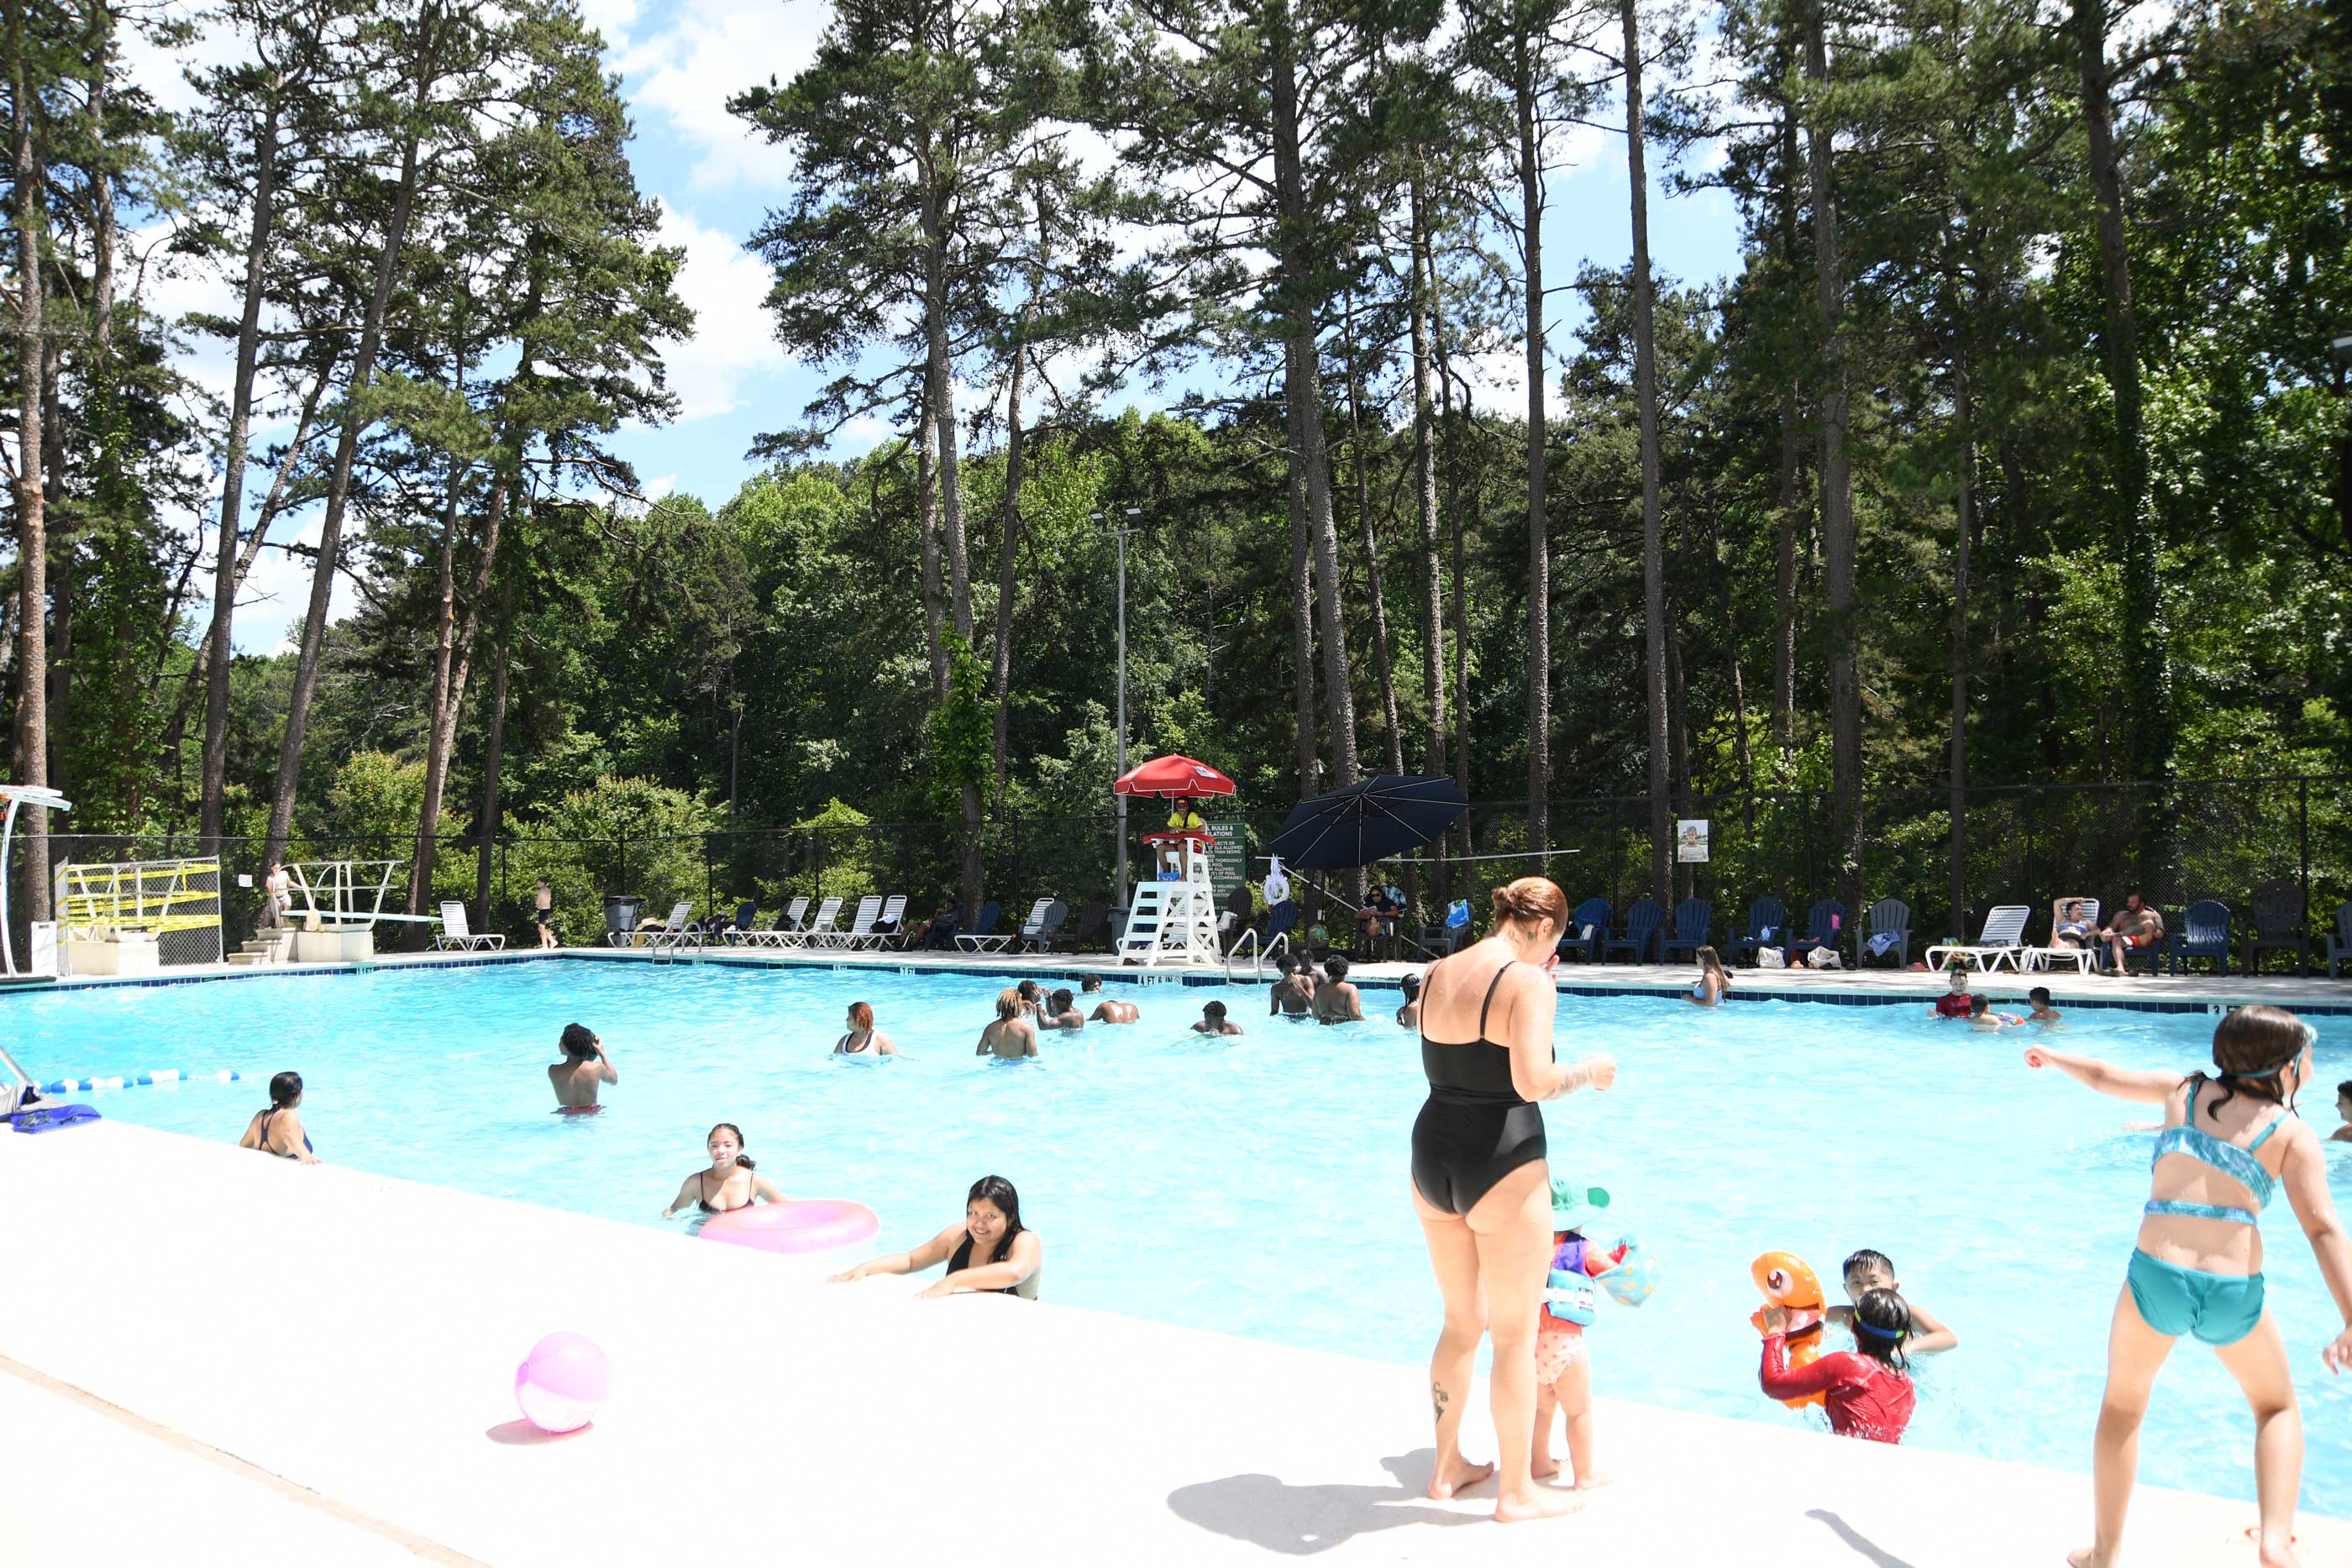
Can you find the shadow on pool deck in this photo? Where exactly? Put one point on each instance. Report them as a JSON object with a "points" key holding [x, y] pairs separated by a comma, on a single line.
{"points": [[1302, 1520], [1862, 1545]]}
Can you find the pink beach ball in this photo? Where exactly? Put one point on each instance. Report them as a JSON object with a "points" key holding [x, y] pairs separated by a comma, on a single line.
{"points": [[563, 1383]]}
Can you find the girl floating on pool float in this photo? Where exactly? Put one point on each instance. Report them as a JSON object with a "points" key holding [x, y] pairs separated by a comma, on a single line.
{"points": [[990, 1251], [2229, 1141], [729, 1184]]}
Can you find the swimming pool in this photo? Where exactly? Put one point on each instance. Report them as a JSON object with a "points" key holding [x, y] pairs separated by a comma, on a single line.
{"points": [[1256, 1185]]}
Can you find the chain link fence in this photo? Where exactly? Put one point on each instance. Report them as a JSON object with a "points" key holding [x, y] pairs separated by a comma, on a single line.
{"points": [[2220, 839]]}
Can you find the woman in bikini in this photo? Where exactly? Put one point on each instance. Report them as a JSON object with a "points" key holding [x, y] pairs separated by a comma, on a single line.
{"points": [[731, 1182], [1480, 1186], [279, 1130], [990, 1251], [2229, 1139]]}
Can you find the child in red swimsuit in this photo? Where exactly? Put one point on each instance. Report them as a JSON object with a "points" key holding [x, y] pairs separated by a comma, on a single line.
{"points": [[1868, 1388]]}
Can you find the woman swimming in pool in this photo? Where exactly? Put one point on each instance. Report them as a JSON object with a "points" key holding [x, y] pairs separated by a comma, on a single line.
{"points": [[1713, 982], [2230, 1138], [279, 1130], [1480, 1186], [863, 1039], [729, 1184], [991, 1230]]}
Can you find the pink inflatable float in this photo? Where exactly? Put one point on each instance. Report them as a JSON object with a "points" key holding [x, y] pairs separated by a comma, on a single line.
{"points": [[812, 1225], [563, 1383]]}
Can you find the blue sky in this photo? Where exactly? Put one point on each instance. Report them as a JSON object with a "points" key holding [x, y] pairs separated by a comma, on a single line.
{"points": [[678, 61]]}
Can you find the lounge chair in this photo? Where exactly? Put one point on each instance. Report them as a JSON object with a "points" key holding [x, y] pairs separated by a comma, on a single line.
{"points": [[1588, 928], [1044, 922], [2339, 944], [2279, 923], [1824, 924], [2002, 939], [787, 925], [1768, 927], [861, 928], [741, 927], [1639, 935], [454, 934], [819, 931], [891, 923], [1889, 918], [675, 932], [1092, 919], [1694, 918], [2091, 955], [2204, 933], [983, 935], [873, 928]]}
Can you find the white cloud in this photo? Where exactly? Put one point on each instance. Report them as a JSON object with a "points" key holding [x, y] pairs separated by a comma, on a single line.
{"points": [[731, 342], [684, 67]]}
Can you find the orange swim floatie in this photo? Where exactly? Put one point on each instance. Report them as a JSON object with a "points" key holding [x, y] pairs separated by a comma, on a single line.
{"points": [[1787, 1281]]}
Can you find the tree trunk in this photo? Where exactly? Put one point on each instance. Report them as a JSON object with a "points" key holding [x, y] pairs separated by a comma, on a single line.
{"points": [[1531, 207], [1424, 473], [1382, 666], [445, 637], [1964, 413], [1449, 426], [940, 394], [58, 528], [1302, 610], [2147, 666], [229, 571], [485, 823], [1653, 547], [1784, 618], [338, 486], [1008, 561], [926, 507], [32, 534], [444, 739], [1837, 490]]}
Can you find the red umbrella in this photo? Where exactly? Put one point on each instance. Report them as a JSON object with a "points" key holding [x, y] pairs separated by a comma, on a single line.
{"points": [[1173, 778]]}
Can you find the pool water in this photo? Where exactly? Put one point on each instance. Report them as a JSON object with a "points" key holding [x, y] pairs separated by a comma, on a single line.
{"points": [[1258, 1184]]}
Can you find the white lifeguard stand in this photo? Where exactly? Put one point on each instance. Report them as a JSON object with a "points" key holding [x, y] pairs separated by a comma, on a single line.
{"points": [[1173, 918]]}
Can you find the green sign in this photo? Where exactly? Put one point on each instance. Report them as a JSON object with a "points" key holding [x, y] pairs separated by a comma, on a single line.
{"points": [[1228, 857]]}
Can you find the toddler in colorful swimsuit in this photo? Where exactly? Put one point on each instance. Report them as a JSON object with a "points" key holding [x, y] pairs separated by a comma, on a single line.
{"points": [[1563, 1366], [2229, 1140]]}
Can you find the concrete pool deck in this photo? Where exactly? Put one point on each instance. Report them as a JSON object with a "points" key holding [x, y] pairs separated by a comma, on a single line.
{"points": [[216, 1348]]}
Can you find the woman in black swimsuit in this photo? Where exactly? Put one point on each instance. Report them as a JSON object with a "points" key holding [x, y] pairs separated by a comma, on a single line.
{"points": [[279, 1130], [731, 1183], [1480, 1183], [992, 1231]]}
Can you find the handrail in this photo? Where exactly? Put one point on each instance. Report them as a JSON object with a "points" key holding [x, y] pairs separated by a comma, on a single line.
{"points": [[1259, 951]]}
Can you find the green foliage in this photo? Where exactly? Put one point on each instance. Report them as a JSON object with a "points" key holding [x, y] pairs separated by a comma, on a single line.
{"points": [[960, 733]]}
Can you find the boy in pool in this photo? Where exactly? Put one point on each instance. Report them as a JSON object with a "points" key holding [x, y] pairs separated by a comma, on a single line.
{"points": [[1867, 1271], [1108, 1011], [1336, 1000], [2043, 1013], [1213, 1021], [1062, 1012], [2343, 1135], [583, 1067], [1954, 1002], [1981, 1016]]}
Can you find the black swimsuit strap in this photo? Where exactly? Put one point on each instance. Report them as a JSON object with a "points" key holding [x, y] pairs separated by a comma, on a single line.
{"points": [[1490, 999]]}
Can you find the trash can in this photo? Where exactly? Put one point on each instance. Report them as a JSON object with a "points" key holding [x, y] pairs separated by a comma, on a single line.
{"points": [[621, 913]]}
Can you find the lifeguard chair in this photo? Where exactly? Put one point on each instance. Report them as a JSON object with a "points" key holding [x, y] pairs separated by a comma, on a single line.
{"points": [[1173, 917]]}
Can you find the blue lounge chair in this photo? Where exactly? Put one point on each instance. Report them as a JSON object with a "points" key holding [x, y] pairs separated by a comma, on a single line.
{"points": [[1588, 928], [1768, 926], [983, 935], [2279, 923], [1824, 924], [1639, 935], [2205, 933], [1694, 917]]}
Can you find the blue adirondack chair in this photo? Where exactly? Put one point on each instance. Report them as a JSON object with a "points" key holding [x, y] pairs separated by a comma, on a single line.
{"points": [[2205, 933], [1824, 925], [1765, 915], [1639, 935], [2278, 923], [1591, 915], [1694, 917]]}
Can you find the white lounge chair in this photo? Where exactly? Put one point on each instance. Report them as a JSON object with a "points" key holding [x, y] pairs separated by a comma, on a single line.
{"points": [[673, 932], [883, 928], [788, 925], [861, 929], [817, 933], [2002, 940], [2085, 957], [455, 935]]}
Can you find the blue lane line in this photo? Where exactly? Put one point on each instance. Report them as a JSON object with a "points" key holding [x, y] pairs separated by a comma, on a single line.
{"points": [[136, 1080]]}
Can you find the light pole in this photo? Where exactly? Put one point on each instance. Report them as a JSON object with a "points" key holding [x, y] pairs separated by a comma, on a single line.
{"points": [[1120, 534]]}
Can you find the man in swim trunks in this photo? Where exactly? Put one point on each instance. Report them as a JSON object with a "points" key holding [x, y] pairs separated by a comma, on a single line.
{"points": [[2136, 927], [1060, 1011], [1294, 993], [1954, 1003], [1337, 1000], [1012, 1036], [1213, 1020], [583, 1067], [1108, 1011]]}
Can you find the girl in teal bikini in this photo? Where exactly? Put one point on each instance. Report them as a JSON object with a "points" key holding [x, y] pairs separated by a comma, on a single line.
{"points": [[2228, 1141]]}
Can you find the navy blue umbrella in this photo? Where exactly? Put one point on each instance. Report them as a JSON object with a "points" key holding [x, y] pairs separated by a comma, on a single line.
{"points": [[1368, 822]]}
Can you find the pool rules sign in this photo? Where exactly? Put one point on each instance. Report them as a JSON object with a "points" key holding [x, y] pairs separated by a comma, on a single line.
{"points": [[1690, 839]]}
